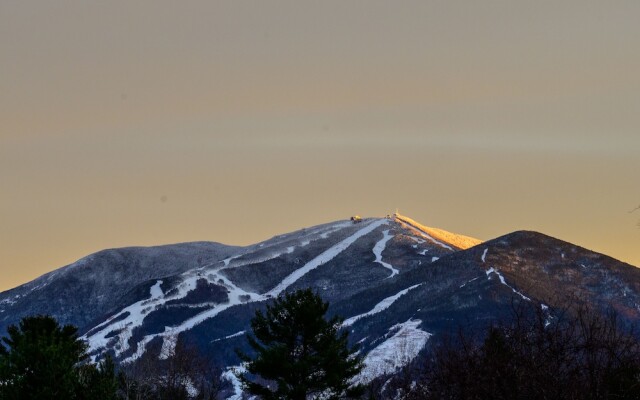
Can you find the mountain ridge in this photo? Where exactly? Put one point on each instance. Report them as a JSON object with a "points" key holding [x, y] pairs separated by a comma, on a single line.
{"points": [[400, 286]]}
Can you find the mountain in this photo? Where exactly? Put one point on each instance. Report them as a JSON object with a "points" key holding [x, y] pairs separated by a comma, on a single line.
{"points": [[400, 286], [100, 283]]}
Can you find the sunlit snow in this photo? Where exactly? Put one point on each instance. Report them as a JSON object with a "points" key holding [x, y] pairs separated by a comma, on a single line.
{"points": [[439, 236]]}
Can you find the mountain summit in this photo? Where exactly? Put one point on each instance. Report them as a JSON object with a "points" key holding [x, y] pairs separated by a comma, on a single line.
{"points": [[400, 286]]}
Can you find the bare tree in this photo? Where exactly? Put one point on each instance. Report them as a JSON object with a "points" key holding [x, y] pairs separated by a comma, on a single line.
{"points": [[184, 375], [583, 354]]}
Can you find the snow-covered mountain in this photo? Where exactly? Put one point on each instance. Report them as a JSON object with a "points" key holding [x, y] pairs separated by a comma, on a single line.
{"points": [[399, 285]]}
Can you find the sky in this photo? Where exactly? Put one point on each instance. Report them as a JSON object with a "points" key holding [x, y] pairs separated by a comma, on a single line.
{"points": [[152, 122]]}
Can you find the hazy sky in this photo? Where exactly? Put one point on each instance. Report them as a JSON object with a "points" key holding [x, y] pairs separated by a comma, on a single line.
{"points": [[150, 122]]}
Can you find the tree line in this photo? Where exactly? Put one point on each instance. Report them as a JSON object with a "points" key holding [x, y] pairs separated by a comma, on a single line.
{"points": [[574, 353], [297, 353]]}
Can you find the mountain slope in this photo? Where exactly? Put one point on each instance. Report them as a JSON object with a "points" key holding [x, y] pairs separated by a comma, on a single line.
{"points": [[400, 286], [553, 270], [339, 259], [99, 283]]}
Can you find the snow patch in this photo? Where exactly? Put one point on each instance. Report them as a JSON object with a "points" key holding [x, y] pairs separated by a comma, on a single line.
{"points": [[156, 291], [231, 375], [545, 308], [499, 275], [484, 255], [324, 257], [9, 301], [381, 306], [465, 284], [333, 228], [168, 346], [395, 352], [379, 248], [229, 337], [226, 261], [191, 390]]}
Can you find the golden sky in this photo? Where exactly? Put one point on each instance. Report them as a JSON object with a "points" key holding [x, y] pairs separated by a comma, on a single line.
{"points": [[151, 122]]}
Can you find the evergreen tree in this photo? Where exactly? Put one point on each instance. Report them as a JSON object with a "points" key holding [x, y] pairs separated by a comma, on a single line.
{"points": [[98, 382], [43, 360], [300, 354]]}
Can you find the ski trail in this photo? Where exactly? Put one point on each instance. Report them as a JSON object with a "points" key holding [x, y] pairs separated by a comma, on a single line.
{"points": [[325, 257], [395, 352], [495, 271], [379, 248], [381, 306], [171, 333]]}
